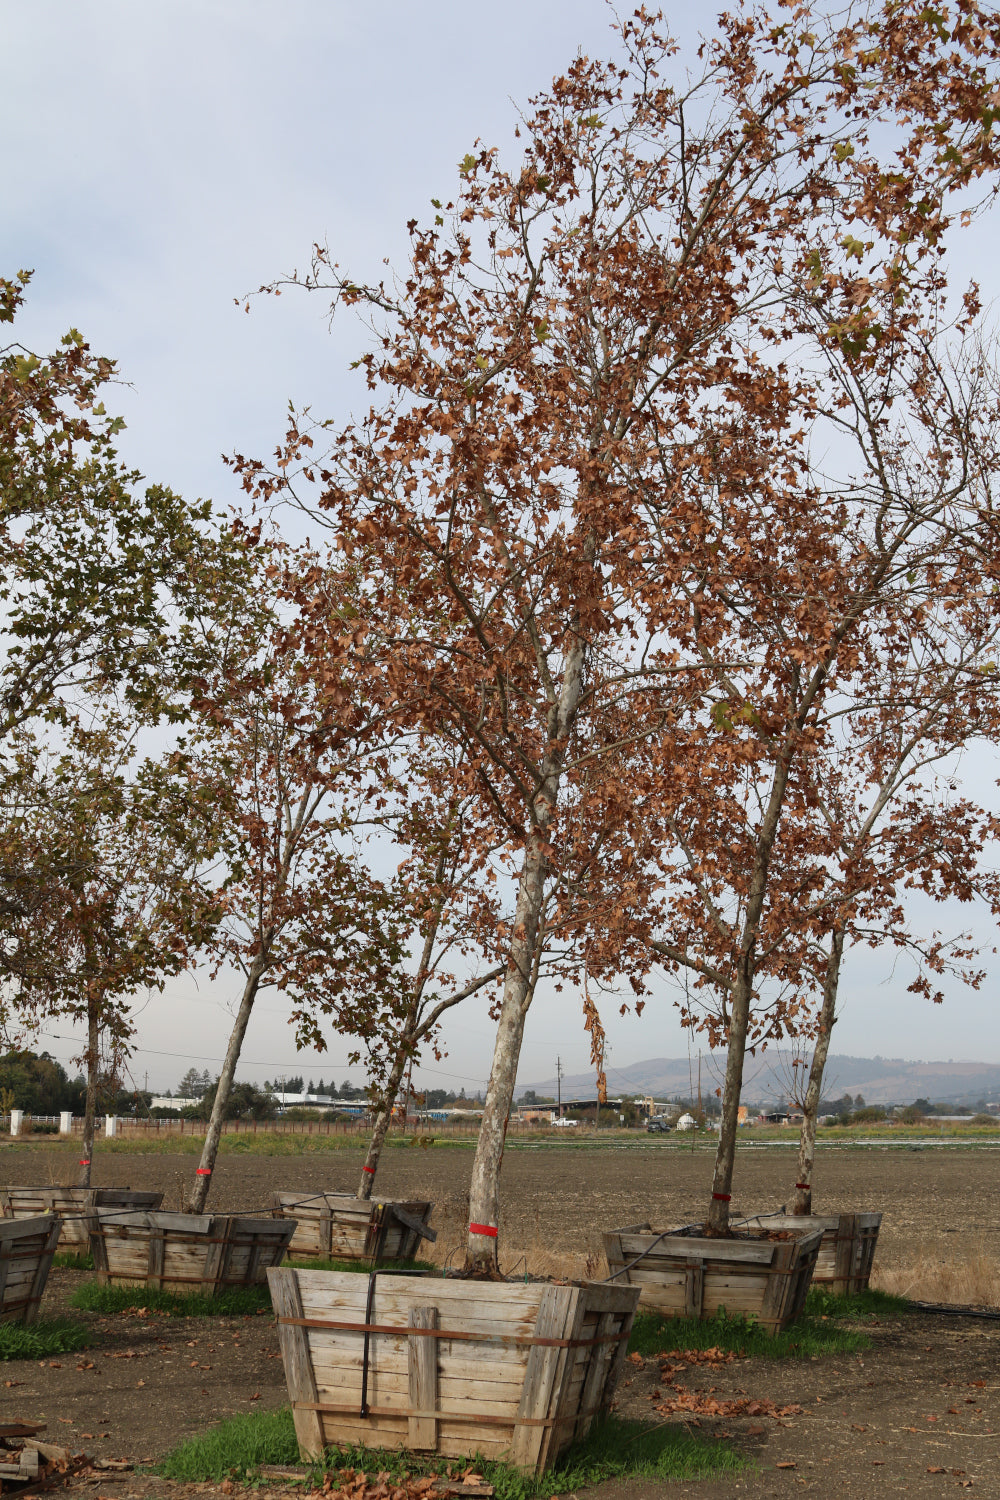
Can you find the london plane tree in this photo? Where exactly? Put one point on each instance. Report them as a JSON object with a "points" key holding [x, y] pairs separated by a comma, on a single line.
{"points": [[574, 345]]}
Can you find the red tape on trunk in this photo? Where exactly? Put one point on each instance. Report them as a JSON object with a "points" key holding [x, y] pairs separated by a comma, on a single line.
{"points": [[85, 1164], [722, 1197], [487, 1229], [805, 1186], [369, 1169], [203, 1172]]}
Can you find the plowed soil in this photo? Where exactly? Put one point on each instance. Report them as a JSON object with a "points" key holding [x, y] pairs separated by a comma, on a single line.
{"points": [[918, 1414]]}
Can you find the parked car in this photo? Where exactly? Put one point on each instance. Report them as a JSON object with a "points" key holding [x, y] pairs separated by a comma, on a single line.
{"points": [[565, 1122], [658, 1125]]}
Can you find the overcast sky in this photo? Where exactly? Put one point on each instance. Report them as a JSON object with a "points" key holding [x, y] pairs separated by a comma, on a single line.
{"points": [[163, 160]]}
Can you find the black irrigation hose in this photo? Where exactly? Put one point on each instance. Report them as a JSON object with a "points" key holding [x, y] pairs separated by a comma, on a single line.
{"points": [[955, 1310]]}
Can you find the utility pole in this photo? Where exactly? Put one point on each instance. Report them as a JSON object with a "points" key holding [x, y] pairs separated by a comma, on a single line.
{"points": [[559, 1073]]}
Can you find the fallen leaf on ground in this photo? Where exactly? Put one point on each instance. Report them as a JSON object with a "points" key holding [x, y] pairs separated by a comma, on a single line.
{"points": [[706, 1405]]}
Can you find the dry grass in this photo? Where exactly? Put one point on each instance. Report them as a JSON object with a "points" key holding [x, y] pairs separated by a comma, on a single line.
{"points": [[537, 1259], [969, 1277]]}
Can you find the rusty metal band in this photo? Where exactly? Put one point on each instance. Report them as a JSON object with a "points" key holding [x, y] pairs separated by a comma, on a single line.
{"points": [[516, 1340], [185, 1238], [404, 1413], [125, 1278]]}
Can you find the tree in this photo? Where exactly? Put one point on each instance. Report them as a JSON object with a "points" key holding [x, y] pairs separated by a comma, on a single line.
{"points": [[36, 1083], [244, 1102], [450, 915], [194, 1084], [578, 353], [874, 815], [125, 911], [282, 755]]}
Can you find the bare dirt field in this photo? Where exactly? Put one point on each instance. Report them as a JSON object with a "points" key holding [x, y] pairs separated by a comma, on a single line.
{"points": [[918, 1414]]}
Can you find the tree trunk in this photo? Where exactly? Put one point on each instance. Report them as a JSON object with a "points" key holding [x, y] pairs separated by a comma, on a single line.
{"points": [[90, 1107], [484, 1192], [810, 1104], [210, 1150], [382, 1119], [519, 982], [717, 1222]]}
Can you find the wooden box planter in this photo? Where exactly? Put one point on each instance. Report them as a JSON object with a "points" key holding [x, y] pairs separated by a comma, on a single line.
{"points": [[683, 1276], [27, 1247], [339, 1226], [72, 1205], [509, 1370], [185, 1252], [846, 1251]]}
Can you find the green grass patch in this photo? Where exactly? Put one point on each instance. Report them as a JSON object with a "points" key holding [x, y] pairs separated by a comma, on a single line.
{"points": [[652, 1334], [236, 1446], [867, 1304], [309, 1263], [39, 1340], [74, 1260], [615, 1449], [231, 1302]]}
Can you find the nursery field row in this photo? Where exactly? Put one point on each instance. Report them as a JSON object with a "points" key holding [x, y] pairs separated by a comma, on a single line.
{"points": [[557, 1202]]}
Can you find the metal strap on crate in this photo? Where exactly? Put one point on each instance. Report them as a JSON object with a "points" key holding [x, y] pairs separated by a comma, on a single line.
{"points": [[480, 1419]]}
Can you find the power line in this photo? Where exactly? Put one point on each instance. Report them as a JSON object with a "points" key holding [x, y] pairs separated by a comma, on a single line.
{"points": [[58, 1036]]}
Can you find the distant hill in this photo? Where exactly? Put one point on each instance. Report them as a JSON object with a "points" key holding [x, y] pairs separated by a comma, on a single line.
{"points": [[881, 1080]]}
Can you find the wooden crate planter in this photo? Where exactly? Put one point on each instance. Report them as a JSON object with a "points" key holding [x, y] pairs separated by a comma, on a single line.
{"points": [[681, 1275], [846, 1251], [72, 1205], [339, 1226], [509, 1370], [185, 1252], [27, 1247]]}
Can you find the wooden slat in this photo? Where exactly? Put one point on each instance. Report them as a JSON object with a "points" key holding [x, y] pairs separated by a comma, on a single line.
{"points": [[556, 1311], [420, 1229], [694, 1288], [42, 1273], [215, 1256], [595, 1371], [617, 1362], [295, 1356], [155, 1257], [422, 1360], [754, 1252]]}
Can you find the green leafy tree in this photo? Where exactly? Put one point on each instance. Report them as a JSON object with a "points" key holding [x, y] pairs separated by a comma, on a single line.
{"points": [[125, 909], [38, 1084]]}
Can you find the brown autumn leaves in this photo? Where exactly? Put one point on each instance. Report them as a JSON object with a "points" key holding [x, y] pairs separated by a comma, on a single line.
{"points": [[659, 578], [672, 513]]}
